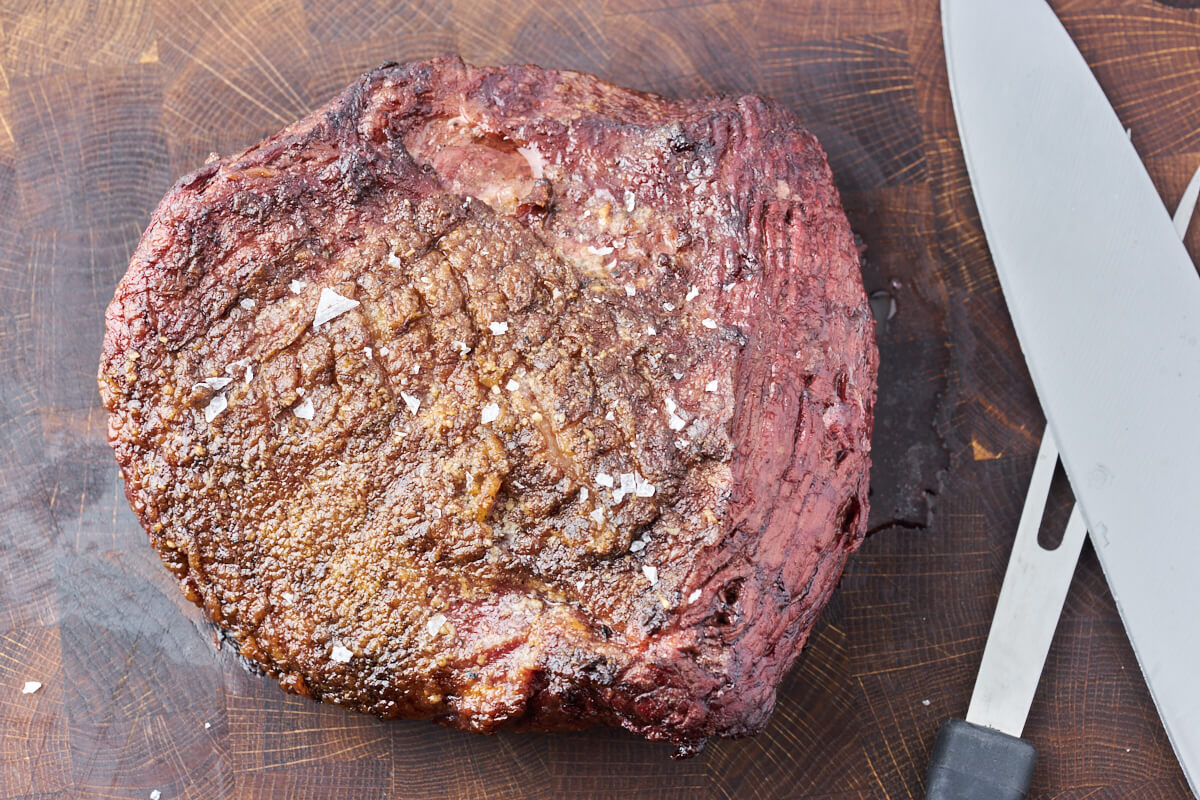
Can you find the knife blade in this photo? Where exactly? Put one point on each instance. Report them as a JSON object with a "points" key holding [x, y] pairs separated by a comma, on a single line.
{"points": [[1106, 306]]}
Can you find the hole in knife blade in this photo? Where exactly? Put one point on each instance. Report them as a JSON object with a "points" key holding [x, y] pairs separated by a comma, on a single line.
{"points": [[1058, 510]]}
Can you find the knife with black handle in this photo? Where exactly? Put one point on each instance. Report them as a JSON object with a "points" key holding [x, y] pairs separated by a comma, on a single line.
{"points": [[1106, 304], [983, 757]]}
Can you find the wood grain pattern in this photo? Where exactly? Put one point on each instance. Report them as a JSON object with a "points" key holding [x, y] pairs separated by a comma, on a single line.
{"points": [[103, 104]]}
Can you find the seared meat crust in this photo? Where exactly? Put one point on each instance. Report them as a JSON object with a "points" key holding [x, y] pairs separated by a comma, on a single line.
{"points": [[505, 396]]}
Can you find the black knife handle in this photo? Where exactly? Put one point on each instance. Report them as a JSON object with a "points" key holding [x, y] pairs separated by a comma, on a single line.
{"points": [[971, 762]]}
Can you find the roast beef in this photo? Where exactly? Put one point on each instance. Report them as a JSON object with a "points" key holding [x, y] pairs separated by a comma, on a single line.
{"points": [[505, 397]]}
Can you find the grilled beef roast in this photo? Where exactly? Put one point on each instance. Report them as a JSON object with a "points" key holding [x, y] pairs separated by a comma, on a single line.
{"points": [[505, 397]]}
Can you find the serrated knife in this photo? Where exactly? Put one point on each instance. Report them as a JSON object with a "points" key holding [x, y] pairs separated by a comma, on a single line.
{"points": [[1106, 305]]}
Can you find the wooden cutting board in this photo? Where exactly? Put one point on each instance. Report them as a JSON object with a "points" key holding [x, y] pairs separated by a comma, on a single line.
{"points": [[104, 104]]}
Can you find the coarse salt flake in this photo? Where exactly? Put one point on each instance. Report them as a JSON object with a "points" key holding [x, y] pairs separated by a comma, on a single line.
{"points": [[288, 597], [30, 687], [215, 407], [434, 626], [628, 483], [597, 516], [604, 479], [599, 251], [331, 305], [463, 349], [610, 417], [676, 375], [490, 413], [669, 306], [370, 353], [512, 385], [643, 488], [155, 794], [651, 573], [207, 725], [708, 322], [498, 328], [246, 303], [676, 422], [669, 402], [630, 201], [693, 597], [711, 386], [243, 363], [383, 351], [650, 331], [340, 654], [216, 383], [297, 286], [692, 294], [630, 289], [638, 546], [305, 409], [413, 403], [394, 261], [583, 494]]}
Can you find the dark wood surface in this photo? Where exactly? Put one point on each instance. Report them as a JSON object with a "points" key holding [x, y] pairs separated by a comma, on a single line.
{"points": [[104, 103]]}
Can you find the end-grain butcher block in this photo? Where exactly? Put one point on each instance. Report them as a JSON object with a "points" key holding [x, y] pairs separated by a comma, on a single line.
{"points": [[505, 397]]}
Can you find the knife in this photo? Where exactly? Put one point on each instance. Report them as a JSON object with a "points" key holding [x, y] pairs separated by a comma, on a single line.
{"points": [[984, 757], [1106, 306]]}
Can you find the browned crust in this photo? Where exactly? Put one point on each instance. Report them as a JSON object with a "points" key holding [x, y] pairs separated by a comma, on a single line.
{"points": [[362, 528]]}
